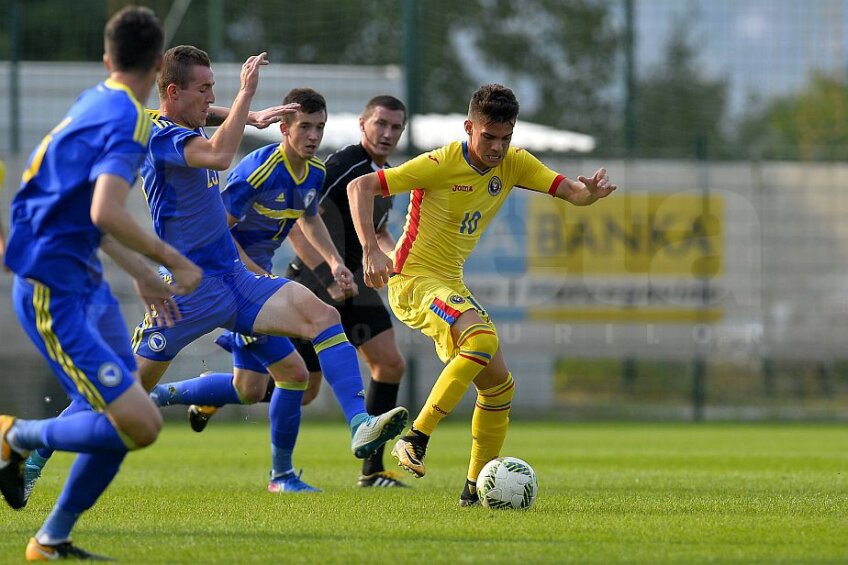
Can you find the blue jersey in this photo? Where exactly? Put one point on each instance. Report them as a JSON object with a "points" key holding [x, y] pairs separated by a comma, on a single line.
{"points": [[185, 202], [265, 197], [53, 240]]}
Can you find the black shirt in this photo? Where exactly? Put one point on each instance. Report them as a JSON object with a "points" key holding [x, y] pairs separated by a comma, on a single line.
{"points": [[343, 166]]}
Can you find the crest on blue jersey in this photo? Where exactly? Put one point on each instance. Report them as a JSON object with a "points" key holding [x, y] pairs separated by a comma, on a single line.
{"points": [[309, 197], [457, 299], [495, 186], [156, 342], [109, 374]]}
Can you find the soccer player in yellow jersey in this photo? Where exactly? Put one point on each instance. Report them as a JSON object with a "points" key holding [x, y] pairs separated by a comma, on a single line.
{"points": [[456, 192]]}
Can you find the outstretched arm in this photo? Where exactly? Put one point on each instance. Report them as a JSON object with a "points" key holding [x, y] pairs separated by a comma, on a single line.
{"points": [[260, 120], [217, 152], [376, 265], [585, 191]]}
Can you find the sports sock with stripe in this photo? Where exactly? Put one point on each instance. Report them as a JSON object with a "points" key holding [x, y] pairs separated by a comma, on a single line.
{"points": [[340, 366], [489, 424], [477, 346]]}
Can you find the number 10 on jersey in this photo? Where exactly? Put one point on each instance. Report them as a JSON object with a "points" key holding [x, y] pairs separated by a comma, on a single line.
{"points": [[469, 222]]}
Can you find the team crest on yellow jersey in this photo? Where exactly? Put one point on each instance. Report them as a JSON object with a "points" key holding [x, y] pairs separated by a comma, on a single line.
{"points": [[457, 299], [495, 186]]}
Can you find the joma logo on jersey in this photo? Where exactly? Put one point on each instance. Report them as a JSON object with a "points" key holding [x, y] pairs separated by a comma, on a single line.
{"points": [[462, 188]]}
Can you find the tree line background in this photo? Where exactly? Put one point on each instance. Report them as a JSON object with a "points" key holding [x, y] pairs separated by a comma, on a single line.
{"points": [[573, 63]]}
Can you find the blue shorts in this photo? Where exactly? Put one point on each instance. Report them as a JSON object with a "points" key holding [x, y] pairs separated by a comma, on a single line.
{"points": [[231, 301], [255, 353], [82, 336]]}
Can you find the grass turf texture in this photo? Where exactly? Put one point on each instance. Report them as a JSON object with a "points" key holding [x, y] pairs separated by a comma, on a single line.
{"points": [[637, 493]]}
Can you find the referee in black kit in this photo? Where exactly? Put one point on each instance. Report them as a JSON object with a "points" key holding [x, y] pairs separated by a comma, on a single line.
{"points": [[365, 317]]}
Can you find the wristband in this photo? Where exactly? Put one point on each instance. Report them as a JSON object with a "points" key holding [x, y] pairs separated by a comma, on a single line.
{"points": [[324, 274]]}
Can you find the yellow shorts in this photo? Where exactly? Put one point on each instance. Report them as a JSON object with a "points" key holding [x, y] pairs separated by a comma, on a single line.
{"points": [[432, 306]]}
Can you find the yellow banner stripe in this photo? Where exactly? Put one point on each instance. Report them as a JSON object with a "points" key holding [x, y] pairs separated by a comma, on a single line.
{"points": [[329, 342], [602, 315], [315, 162], [44, 325]]}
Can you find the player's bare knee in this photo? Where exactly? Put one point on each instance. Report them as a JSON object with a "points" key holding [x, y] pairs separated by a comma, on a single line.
{"points": [[312, 389], [144, 433], [322, 316], [252, 395], [389, 370]]}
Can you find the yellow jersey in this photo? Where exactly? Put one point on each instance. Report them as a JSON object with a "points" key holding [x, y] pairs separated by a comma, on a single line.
{"points": [[452, 204]]}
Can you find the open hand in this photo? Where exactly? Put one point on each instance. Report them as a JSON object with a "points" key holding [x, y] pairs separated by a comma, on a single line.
{"points": [[599, 185], [250, 72], [264, 118]]}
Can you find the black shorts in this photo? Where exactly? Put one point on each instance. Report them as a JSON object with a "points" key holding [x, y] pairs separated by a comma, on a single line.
{"points": [[364, 316]]}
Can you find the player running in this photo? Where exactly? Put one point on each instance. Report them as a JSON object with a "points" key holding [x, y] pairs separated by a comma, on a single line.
{"points": [[269, 192], [71, 202], [456, 192], [181, 183], [365, 317]]}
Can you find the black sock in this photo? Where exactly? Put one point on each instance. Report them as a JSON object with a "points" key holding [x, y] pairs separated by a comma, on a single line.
{"points": [[379, 398]]}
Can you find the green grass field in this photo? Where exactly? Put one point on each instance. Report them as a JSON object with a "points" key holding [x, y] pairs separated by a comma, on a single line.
{"points": [[624, 493]]}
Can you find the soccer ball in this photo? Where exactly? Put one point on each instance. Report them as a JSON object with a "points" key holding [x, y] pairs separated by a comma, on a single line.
{"points": [[507, 482]]}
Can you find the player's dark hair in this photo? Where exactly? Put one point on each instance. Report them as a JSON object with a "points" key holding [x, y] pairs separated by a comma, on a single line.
{"points": [[493, 103], [310, 102], [177, 64], [384, 101], [133, 39]]}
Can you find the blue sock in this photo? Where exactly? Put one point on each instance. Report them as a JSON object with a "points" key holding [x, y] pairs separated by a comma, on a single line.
{"points": [[341, 370], [75, 406], [211, 389], [83, 432], [284, 412], [90, 475], [27, 434]]}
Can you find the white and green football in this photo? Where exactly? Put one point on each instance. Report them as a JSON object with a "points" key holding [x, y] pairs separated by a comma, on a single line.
{"points": [[507, 482]]}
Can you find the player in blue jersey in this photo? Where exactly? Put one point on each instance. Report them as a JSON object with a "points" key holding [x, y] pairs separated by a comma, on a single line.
{"points": [[181, 184], [267, 193], [70, 203]]}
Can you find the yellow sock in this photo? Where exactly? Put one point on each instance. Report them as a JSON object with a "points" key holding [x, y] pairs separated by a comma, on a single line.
{"points": [[477, 345], [489, 424]]}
